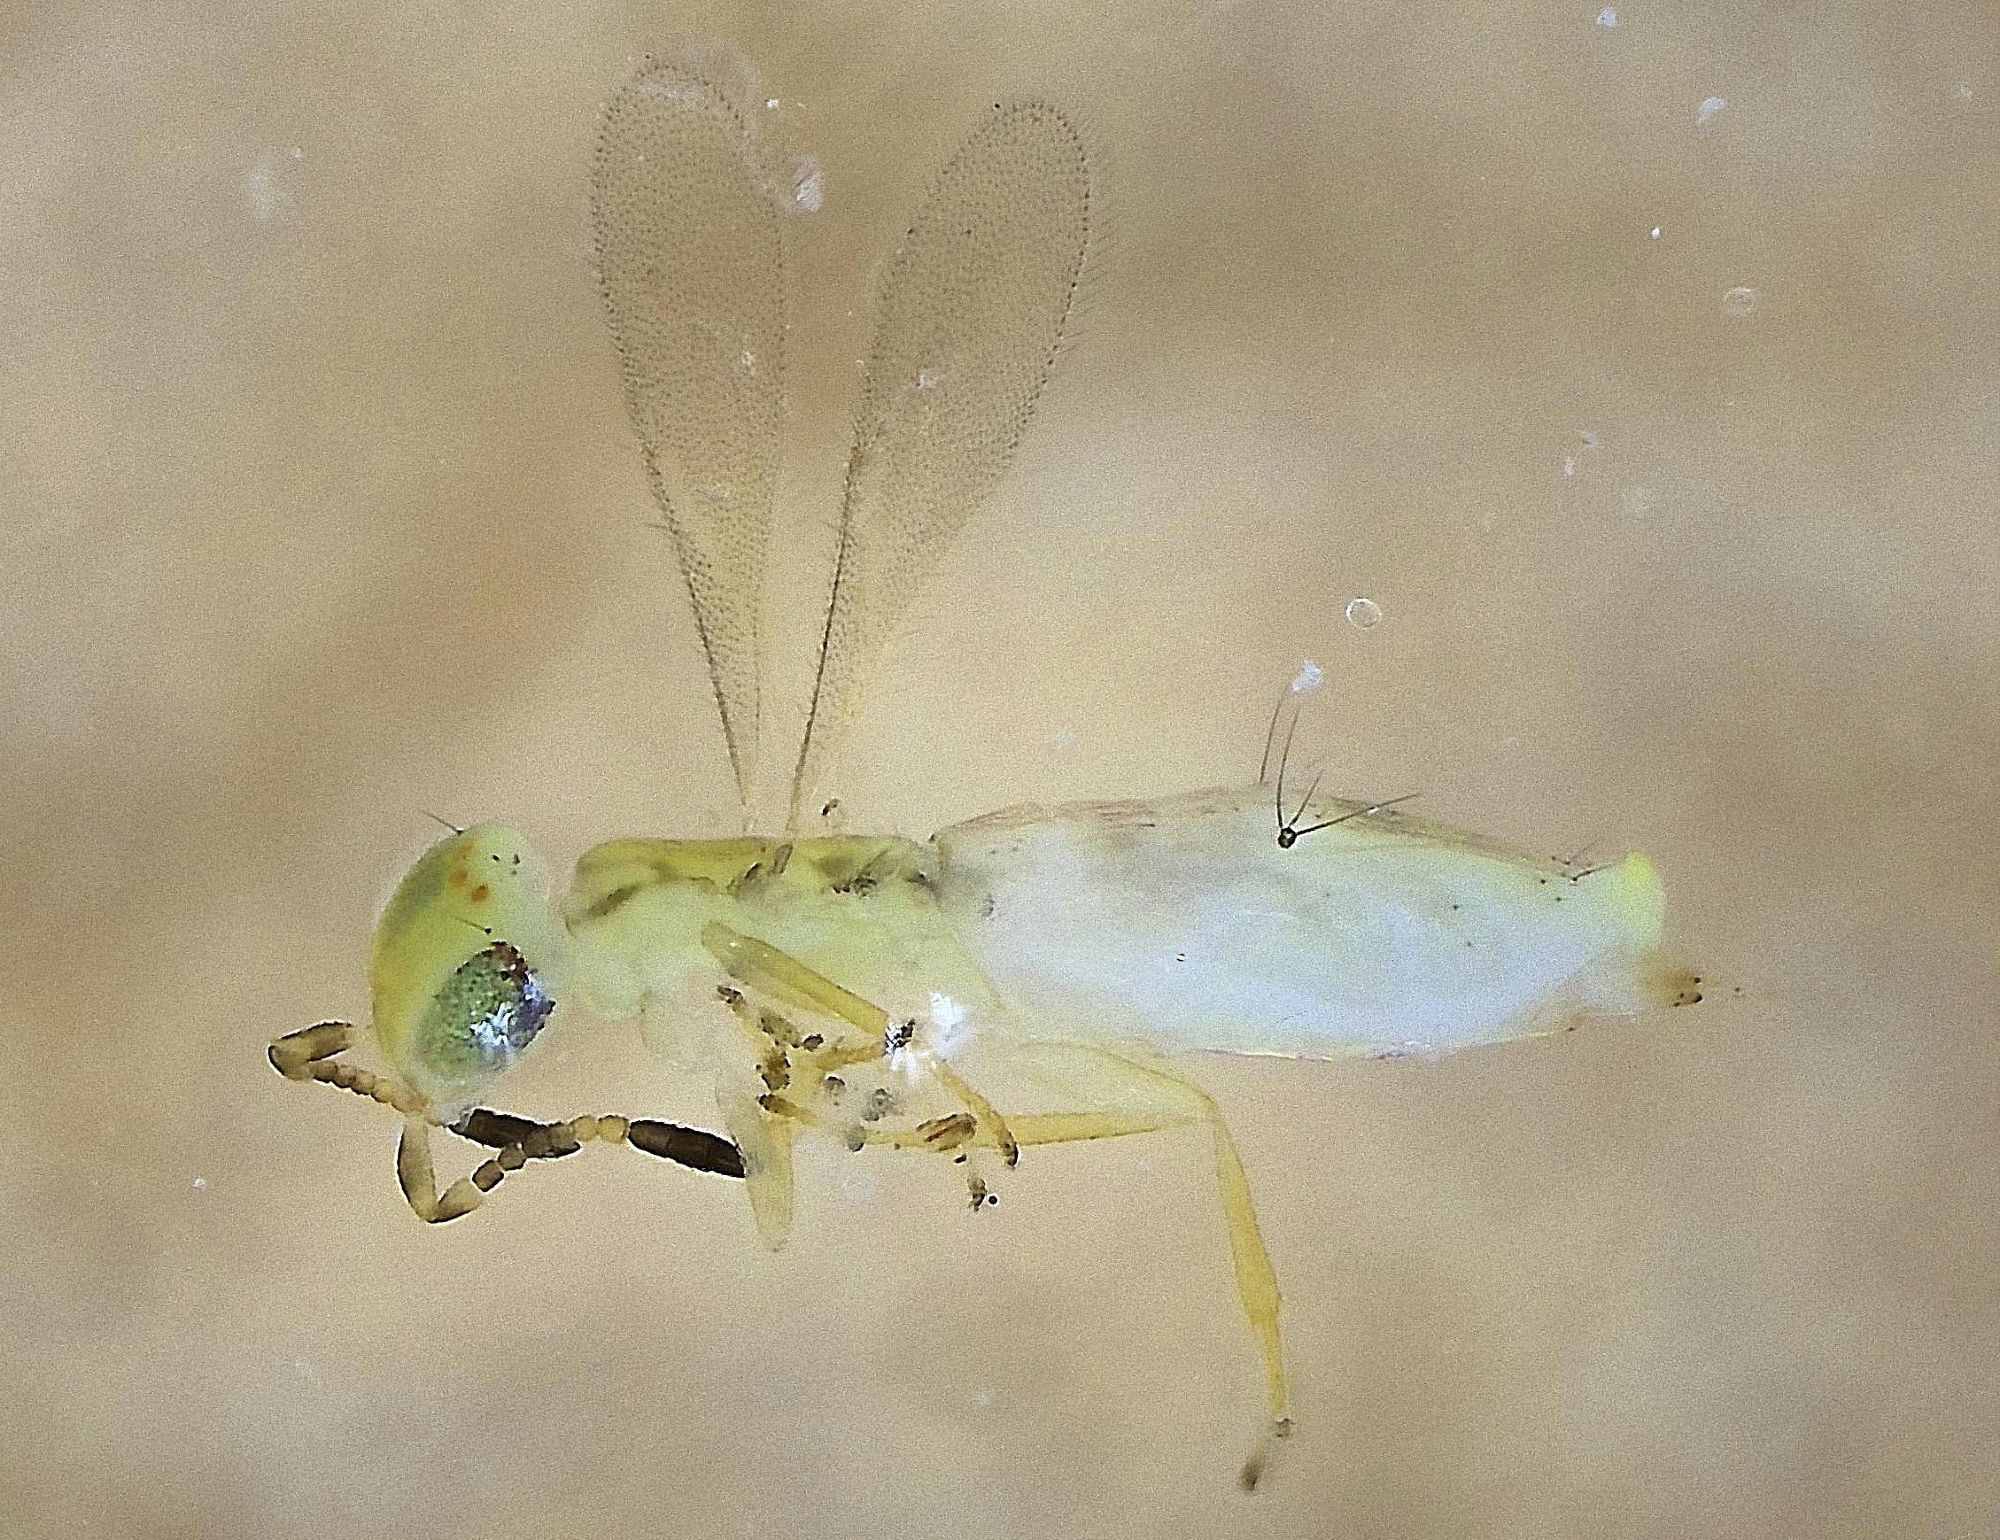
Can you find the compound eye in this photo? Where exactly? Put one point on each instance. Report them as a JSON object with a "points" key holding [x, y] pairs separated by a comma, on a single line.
{"points": [[485, 1014]]}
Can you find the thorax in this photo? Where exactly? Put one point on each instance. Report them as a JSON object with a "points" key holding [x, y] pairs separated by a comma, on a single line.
{"points": [[862, 910]]}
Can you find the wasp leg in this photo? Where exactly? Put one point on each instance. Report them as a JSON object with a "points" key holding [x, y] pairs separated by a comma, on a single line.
{"points": [[1128, 1097], [1122, 1097], [782, 977], [766, 1142], [984, 1114]]}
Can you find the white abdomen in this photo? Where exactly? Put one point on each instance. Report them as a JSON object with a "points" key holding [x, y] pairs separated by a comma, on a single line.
{"points": [[1182, 925]]}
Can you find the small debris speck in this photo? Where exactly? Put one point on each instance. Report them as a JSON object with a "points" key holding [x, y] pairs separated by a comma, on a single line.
{"points": [[1709, 110]]}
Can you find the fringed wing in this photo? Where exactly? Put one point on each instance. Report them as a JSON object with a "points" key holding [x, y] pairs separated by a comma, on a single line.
{"points": [[972, 316], [691, 266]]}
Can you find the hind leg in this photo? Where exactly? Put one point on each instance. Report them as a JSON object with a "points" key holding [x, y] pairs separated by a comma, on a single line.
{"points": [[1125, 1096], [1116, 1097]]}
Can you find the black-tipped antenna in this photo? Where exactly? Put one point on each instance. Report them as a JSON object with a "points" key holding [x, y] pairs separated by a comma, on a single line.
{"points": [[440, 818]]}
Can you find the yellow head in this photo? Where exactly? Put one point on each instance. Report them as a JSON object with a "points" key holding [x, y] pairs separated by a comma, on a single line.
{"points": [[468, 963]]}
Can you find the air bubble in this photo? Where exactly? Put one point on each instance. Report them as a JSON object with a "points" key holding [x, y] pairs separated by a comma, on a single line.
{"points": [[1739, 301], [1364, 614], [1709, 110], [1608, 17]]}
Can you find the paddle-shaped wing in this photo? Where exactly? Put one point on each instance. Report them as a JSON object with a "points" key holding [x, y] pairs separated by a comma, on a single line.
{"points": [[973, 312], [691, 266]]}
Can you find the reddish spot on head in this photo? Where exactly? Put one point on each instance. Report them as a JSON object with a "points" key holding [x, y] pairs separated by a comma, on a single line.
{"points": [[480, 894], [456, 877]]}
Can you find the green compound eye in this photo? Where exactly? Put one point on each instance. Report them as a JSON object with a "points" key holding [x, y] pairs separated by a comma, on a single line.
{"points": [[467, 963], [485, 1014]]}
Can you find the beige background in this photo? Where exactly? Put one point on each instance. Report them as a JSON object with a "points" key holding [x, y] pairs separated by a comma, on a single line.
{"points": [[321, 512]]}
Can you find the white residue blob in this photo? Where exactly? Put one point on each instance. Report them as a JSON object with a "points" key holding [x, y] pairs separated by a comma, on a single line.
{"points": [[1739, 301], [1653, 234], [950, 1029], [1363, 614], [1310, 677], [857, 1182], [680, 93], [1607, 17], [1587, 443], [808, 185], [262, 192], [265, 185], [1709, 110]]}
